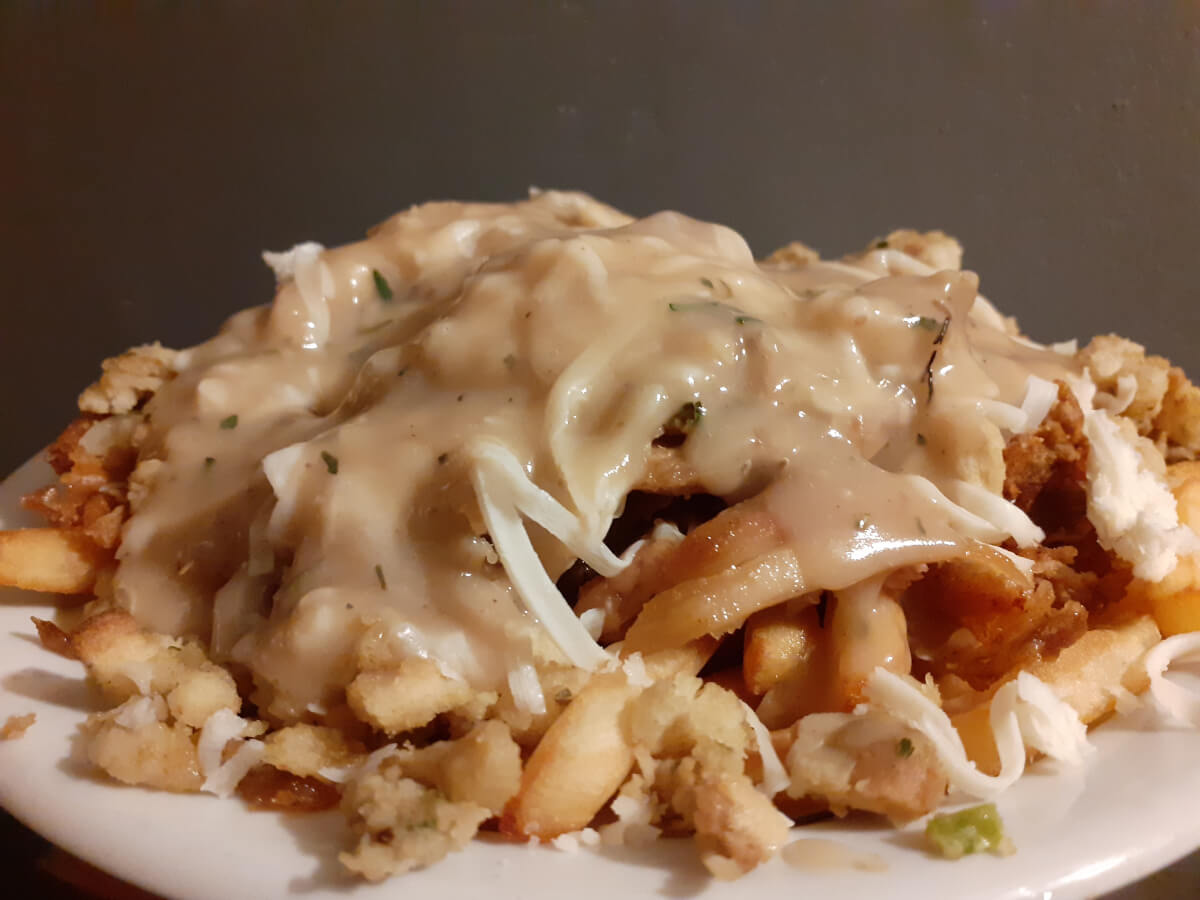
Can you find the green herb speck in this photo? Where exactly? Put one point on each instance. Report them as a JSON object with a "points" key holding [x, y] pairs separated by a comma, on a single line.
{"points": [[904, 748], [229, 422], [379, 577], [920, 439], [209, 462], [707, 283], [747, 320], [331, 462], [382, 286], [925, 323]]}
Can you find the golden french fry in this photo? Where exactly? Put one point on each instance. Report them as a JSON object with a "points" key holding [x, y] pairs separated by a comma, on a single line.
{"points": [[777, 640], [1088, 675], [51, 560], [715, 605], [585, 755]]}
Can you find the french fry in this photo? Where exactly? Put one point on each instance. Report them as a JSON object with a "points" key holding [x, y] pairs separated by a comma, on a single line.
{"points": [[51, 560], [1088, 675], [777, 641], [715, 605], [585, 755]]}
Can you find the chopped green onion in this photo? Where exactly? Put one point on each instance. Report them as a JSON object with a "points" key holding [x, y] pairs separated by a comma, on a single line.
{"points": [[331, 462], [971, 830], [707, 283], [904, 749], [379, 577], [229, 422], [382, 286]]}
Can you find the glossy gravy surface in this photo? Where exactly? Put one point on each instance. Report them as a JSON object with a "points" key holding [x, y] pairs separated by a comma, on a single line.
{"points": [[313, 484]]}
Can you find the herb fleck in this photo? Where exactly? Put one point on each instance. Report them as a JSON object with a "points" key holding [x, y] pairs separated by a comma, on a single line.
{"points": [[442, 457], [925, 323], [747, 320], [382, 286], [904, 749], [920, 526], [229, 422], [881, 244], [687, 417], [331, 462], [707, 283], [209, 461], [509, 360], [920, 439], [563, 696], [379, 577]]}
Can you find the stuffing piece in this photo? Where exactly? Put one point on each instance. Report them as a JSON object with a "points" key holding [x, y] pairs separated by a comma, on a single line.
{"points": [[126, 660], [305, 750], [672, 716], [870, 762], [796, 255], [1147, 390], [128, 379], [1121, 368], [483, 767], [403, 825], [934, 248], [151, 754], [406, 697], [737, 828], [1178, 423], [16, 726]]}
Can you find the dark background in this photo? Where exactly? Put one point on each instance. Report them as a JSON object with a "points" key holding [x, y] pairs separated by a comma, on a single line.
{"points": [[149, 151]]}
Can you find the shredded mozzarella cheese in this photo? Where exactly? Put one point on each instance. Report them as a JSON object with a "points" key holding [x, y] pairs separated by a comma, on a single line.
{"points": [[1023, 712], [1176, 701], [775, 777]]}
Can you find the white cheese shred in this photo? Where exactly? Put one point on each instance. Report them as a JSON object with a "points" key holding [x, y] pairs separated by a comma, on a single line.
{"points": [[1176, 701], [222, 777], [1129, 504], [504, 492], [775, 777], [1040, 397], [1024, 712], [526, 689]]}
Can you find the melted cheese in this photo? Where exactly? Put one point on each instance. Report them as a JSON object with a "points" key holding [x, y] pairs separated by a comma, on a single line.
{"points": [[512, 386]]}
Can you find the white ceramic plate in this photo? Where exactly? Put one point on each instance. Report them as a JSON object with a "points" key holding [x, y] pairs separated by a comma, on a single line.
{"points": [[1131, 810]]}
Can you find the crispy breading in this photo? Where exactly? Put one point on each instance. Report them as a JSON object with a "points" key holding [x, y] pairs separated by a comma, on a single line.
{"points": [[1121, 368], [1177, 425], [403, 825], [129, 379]]}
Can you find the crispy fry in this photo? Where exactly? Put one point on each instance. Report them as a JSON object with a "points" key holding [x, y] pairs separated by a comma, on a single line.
{"points": [[715, 605], [777, 641], [1089, 675], [51, 560]]}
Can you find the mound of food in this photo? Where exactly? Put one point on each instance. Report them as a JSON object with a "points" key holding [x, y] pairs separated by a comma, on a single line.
{"points": [[538, 519]]}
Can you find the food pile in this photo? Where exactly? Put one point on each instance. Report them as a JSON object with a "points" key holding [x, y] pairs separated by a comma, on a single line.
{"points": [[537, 519]]}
